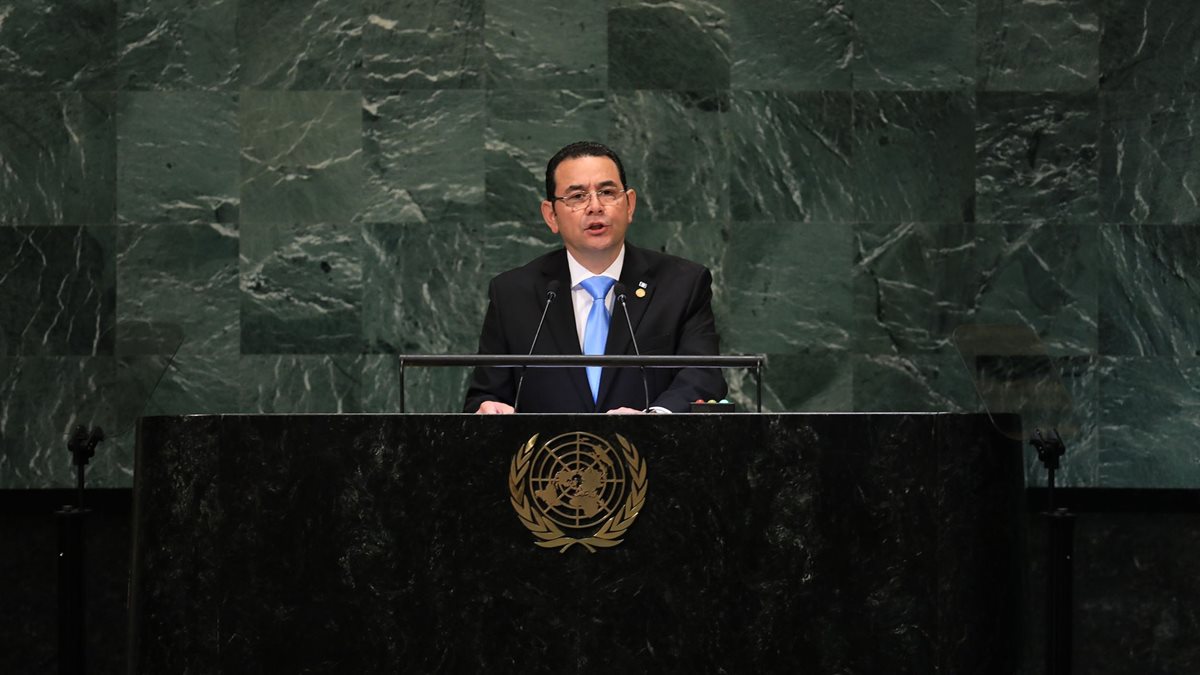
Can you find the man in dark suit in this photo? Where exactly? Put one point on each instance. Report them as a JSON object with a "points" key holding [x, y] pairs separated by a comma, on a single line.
{"points": [[590, 206]]}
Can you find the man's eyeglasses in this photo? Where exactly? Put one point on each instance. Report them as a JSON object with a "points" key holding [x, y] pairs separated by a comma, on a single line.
{"points": [[578, 200]]}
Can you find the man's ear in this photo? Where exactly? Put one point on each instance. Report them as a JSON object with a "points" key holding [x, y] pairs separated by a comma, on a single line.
{"points": [[632, 196], [549, 216]]}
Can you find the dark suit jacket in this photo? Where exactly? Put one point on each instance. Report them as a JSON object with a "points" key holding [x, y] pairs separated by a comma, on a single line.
{"points": [[674, 317]]}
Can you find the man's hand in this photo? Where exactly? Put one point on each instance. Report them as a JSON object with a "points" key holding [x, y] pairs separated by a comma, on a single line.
{"points": [[624, 411], [494, 408]]}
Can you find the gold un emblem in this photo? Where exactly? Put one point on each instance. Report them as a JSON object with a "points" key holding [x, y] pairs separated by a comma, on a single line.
{"points": [[576, 488]]}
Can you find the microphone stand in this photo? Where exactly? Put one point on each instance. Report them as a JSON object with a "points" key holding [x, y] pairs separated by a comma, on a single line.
{"points": [[1060, 528], [636, 351], [72, 596], [551, 293]]}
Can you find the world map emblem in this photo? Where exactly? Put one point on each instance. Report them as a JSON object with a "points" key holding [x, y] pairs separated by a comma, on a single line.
{"points": [[577, 488]]}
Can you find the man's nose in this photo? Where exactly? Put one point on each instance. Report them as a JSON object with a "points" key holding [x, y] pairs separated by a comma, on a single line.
{"points": [[593, 203]]}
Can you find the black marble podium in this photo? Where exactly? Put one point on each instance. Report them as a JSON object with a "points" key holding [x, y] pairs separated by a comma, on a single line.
{"points": [[844, 543]]}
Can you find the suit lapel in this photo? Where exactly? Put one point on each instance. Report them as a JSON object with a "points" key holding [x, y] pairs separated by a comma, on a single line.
{"points": [[560, 321], [635, 274]]}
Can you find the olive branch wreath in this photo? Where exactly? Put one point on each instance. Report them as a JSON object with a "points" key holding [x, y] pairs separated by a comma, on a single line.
{"points": [[610, 531]]}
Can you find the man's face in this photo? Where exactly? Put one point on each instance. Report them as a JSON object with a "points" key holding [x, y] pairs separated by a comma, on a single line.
{"points": [[596, 230]]}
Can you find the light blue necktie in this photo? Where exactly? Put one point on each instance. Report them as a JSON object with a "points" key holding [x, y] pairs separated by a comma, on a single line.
{"points": [[595, 335]]}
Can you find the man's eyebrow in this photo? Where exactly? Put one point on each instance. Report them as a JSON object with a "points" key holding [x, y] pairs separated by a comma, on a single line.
{"points": [[606, 183]]}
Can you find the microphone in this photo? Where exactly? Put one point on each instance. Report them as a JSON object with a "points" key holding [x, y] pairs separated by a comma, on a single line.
{"points": [[619, 291], [551, 293]]}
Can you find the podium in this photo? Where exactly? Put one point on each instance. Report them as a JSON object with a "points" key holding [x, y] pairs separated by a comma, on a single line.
{"points": [[822, 543]]}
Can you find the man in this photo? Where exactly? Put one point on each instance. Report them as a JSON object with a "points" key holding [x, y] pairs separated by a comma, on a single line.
{"points": [[590, 206]]}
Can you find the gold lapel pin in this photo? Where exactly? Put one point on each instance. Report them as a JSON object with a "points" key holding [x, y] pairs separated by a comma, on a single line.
{"points": [[641, 292]]}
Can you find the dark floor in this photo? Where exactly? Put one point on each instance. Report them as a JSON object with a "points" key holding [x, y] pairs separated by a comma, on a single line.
{"points": [[29, 579]]}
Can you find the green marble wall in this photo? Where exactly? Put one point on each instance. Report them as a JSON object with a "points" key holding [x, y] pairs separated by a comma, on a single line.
{"points": [[297, 190]]}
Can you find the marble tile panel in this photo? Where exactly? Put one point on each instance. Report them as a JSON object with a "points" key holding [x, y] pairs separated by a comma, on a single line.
{"points": [[301, 289], [177, 157], [678, 45], [912, 383], [425, 284], [57, 158], [524, 130], [675, 150], [62, 45], [198, 384], [381, 384], [177, 45], [300, 384], [785, 289], [182, 279], [915, 284], [423, 44], [704, 242], [790, 156], [816, 380], [913, 44], [42, 398], [301, 156], [1149, 157], [57, 291], [1038, 46], [1150, 290], [806, 46], [426, 390], [315, 44], [562, 45], [1150, 418], [914, 156], [1037, 158], [39, 402], [1149, 46], [423, 153]]}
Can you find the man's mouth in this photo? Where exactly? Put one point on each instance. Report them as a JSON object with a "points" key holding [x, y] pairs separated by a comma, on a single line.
{"points": [[597, 226]]}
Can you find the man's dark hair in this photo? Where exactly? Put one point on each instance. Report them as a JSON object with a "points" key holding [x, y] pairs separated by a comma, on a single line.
{"points": [[581, 149]]}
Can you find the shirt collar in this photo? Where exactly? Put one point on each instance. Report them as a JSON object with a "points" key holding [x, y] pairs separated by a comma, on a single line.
{"points": [[579, 272]]}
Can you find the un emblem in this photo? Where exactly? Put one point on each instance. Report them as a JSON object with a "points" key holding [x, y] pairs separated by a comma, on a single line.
{"points": [[576, 488]]}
